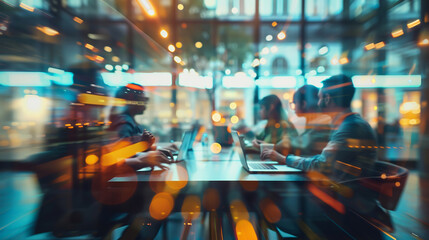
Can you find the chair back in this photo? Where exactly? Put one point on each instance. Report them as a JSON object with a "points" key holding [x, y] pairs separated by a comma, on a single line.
{"points": [[388, 184]]}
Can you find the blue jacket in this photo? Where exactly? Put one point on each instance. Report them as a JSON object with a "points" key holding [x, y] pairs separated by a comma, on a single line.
{"points": [[349, 154]]}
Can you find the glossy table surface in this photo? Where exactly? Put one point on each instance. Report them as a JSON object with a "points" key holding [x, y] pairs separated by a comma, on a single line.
{"points": [[203, 166]]}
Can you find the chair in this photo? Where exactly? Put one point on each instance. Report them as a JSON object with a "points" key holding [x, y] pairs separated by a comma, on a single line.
{"points": [[388, 184]]}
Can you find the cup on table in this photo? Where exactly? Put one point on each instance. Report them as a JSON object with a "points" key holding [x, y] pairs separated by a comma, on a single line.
{"points": [[266, 146]]}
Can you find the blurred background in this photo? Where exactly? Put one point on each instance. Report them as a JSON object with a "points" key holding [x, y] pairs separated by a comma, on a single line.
{"points": [[200, 61]]}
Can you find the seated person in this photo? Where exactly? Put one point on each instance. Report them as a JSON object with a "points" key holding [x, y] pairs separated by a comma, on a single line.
{"points": [[317, 126], [278, 129], [339, 161], [126, 128]]}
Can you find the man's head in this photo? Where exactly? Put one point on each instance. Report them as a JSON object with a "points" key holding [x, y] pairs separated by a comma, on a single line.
{"points": [[305, 100], [337, 93], [134, 96]]}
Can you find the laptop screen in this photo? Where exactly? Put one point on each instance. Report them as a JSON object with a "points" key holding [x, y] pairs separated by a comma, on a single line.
{"points": [[238, 148], [184, 146]]}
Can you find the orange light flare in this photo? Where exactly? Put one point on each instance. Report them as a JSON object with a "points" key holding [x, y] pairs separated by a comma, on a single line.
{"points": [[161, 206], [48, 31], [380, 45], [270, 210], [343, 60], [216, 116], [369, 46], [91, 159], [178, 179], [191, 207], [397, 33], [244, 230], [216, 148], [413, 23], [147, 7], [26, 7], [238, 211], [211, 200], [333, 203], [78, 20]]}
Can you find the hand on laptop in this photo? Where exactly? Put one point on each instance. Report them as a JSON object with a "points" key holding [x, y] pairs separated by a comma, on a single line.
{"points": [[269, 154], [257, 143], [149, 159], [172, 148]]}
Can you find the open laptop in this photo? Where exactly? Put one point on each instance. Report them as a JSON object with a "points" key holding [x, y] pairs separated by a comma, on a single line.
{"points": [[258, 166], [183, 150], [179, 157]]}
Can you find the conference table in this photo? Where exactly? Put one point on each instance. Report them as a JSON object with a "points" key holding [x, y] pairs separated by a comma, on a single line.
{"points": [[203, 170]]}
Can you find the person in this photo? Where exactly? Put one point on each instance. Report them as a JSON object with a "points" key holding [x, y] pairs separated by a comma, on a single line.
{"points": [[278, 130], [123, 123], [350, 152], [349, 155], [317, 126]]}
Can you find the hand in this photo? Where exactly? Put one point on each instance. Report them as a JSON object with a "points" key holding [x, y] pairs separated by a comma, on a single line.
{"points": [[172, 148], [148, 159], [257, 143], [148, 137], [269, 154]]}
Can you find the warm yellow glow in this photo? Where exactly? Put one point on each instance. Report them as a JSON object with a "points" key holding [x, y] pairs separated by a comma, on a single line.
{"points": [[91, 159], [180, 6], [171, 48], [344, 60], [161, 206], [233, 105], [274, 24], [216, 117], [94, 99], [163, 33], [26, 7], [424, 42], [286, 96], [238, 211], [147, 7], [177, 59], [123, 153], [179, 45], [234, 119], [281, 35], [198, 44], [178, 179], [380, 45], [191, 207], [216, 148], [375, 108], [89, 46], [48, 31], [78, 20], [245, 231], [397, 33], [116, 59], [409, 107], [369, 46], [413, 23], [397, 184], [107, 49], [172, 104]]}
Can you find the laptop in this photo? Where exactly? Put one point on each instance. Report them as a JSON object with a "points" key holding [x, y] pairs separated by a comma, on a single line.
{"points": [[184, 147], [179, 157], [258, 166]]}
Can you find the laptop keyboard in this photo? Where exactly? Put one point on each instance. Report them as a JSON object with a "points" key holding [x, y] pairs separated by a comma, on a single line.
{"points": [[261, 166]]}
